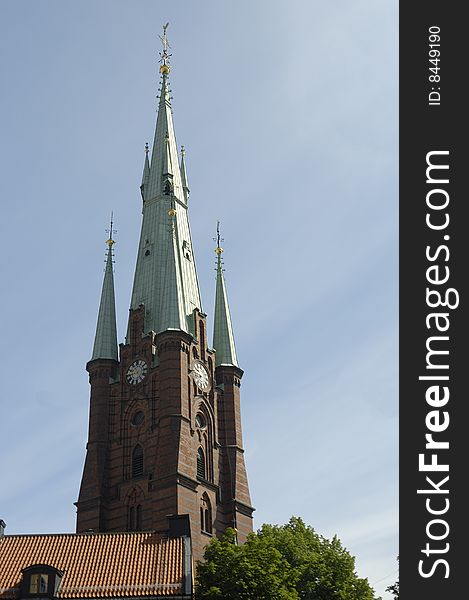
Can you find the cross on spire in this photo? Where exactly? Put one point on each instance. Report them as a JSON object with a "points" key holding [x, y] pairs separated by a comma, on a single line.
{"points": [[110, 242], [105, 341], [218, 240], [223, 339]]}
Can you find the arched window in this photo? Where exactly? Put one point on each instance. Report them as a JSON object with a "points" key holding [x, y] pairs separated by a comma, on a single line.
{"points": [[137, 461], [201, 472], [131, 519], [134, 519], [205, 515], [203, 425]]}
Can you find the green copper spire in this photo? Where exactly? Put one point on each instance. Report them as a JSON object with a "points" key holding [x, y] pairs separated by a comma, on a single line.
{"points": [[185, 184], [165, 274], [172, 315], [223, 339], [105, 341]]}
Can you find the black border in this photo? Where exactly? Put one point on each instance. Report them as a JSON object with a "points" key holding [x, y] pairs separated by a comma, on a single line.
{"points": [[424, 128]]}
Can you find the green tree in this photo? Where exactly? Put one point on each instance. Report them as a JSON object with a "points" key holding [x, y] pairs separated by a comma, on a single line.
{"points": [[394, 588], [280, 562]]}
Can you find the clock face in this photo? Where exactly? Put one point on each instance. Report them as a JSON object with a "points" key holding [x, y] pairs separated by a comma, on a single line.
{"points": [[136, 372], [201, 376]]}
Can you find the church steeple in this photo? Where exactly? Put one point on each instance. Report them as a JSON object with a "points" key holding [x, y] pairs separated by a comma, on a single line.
{"points": [[105, 341], [165, 420], [165, 245], [223, 339]]}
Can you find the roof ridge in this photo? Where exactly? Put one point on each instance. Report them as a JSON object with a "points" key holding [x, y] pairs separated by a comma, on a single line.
{"points": [[149, 531]]}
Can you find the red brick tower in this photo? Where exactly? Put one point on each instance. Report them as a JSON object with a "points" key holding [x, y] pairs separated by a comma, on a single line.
{"points": [[165, 426]]}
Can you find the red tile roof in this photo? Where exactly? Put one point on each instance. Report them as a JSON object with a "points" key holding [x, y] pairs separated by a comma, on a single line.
{"points": [[97, 565]]}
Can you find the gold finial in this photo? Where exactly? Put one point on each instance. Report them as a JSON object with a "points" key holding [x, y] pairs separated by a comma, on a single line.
{"points": [[172, 212], [164, 60], [110, 242], [147, 148], [218, 239]]}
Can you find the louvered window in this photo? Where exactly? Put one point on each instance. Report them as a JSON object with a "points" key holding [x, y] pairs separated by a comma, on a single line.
{"points": [[201, 464], [137, 461]]}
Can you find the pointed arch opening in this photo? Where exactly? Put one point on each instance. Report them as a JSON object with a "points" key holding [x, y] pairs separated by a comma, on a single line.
{"points": [[135, 502], [205, 514], [204, 428], [168, 188], [134, 518], [131, 518], [137, 461], [138, 517], [201, 469]]}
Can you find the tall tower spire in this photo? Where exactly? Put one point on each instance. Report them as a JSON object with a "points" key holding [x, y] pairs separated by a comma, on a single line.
{"points": [[223, 339], [162, 245], [105, 341]]}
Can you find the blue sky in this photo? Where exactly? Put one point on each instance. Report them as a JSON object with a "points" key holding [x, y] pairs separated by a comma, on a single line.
{"points": [[288, 112]]}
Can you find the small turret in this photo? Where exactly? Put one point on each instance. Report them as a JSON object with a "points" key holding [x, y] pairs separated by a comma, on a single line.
{"points": [[223, 339], [105, 341]]}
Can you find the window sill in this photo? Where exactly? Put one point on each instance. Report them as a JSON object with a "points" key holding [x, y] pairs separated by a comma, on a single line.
{"points": [[207, 533]]}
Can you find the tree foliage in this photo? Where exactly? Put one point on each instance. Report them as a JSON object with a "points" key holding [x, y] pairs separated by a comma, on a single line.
{"points": [[280, 562], [394, 588]]}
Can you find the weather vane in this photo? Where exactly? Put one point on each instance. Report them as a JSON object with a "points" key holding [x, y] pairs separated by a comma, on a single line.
{"points": [[164, 56]]}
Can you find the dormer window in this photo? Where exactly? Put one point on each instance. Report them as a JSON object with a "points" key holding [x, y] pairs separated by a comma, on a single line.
{"points": [[40, 581]]}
